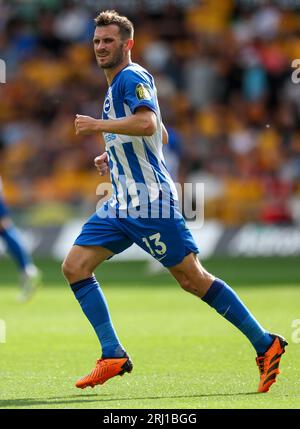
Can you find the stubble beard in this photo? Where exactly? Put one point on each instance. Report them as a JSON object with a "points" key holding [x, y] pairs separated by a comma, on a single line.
{"points": [[115, 61]]}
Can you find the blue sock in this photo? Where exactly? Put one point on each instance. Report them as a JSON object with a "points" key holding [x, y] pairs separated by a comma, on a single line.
{"points": [[223, 299], [15, 247], [93, 303]]}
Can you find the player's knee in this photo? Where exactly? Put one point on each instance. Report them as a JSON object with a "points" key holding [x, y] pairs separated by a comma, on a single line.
{"points": [[191, 287], [66, 269], [70, 271], [203, 277], [185, 283], [196, 281], [182, 279], [202, 281]]}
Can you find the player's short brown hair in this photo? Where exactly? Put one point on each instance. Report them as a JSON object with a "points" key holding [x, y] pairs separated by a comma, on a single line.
{"points": [[109, 17]]}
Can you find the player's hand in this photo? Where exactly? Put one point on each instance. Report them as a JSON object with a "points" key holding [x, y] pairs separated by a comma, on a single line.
{"points": [[86, 125], [101, 163]]}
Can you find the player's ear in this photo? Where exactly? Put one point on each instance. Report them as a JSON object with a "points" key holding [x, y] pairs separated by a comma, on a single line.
{"points": [[129, 44]]}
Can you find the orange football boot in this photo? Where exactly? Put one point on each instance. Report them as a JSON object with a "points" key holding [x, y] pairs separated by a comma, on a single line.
{"points": [[268, 363], [105, 369]]}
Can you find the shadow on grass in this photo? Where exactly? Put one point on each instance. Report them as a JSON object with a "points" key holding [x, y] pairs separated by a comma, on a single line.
{"points": [[100, 398]]}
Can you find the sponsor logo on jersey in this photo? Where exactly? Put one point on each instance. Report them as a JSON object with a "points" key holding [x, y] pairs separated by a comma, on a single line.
{"points": [[109, 137], [106, 107]]}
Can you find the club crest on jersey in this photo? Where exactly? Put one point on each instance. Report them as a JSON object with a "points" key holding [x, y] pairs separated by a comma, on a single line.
{"points": [[143, 92], [106, 107]]}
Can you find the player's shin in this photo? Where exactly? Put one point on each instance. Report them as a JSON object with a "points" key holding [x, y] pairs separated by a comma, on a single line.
{"points": [[94, 305], [15, 247], [227, 303]]}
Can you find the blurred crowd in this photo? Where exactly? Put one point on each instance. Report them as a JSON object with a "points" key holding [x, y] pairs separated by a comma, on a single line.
{"points": [[224, 78]]}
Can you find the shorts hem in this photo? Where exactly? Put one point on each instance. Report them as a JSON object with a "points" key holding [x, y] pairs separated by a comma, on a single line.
{"points": [[105, 246], [188, 251]]}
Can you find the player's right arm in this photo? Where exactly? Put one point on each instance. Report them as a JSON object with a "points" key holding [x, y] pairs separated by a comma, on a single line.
{"points": [[141, 123], [136, 90]]}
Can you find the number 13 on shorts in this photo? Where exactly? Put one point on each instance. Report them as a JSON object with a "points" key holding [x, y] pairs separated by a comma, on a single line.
{"points": [[155, 246]]}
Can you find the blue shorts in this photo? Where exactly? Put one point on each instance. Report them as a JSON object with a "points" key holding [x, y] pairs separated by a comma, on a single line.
{"points": [[167, 240], [3, 208]]}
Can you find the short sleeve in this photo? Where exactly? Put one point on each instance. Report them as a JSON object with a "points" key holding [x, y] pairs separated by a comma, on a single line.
{"points": [[138, 91]]}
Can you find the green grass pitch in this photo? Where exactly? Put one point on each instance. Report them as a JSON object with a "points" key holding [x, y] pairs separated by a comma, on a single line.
{"points": [[185, 355]]}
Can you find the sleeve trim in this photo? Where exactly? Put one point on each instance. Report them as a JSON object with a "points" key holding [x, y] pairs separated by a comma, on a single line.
{"points": [[144, 103]]}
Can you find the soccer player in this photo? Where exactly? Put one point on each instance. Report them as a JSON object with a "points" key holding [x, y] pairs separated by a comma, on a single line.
{"points": [[30, 276], [143, 192]]}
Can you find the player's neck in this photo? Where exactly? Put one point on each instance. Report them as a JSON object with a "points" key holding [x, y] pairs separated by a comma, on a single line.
{"points": [[111, 73]]}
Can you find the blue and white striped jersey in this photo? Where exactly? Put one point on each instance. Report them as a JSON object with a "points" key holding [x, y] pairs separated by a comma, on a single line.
{"points": [[136, 162]]}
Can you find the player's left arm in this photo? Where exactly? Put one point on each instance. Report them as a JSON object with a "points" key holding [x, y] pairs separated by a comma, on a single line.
{"points": [[142, 123]]}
